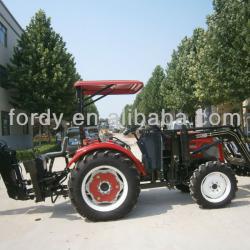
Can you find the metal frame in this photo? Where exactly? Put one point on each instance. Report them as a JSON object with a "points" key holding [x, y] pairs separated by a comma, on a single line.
{"points": [[224, 133], [81, 105]]}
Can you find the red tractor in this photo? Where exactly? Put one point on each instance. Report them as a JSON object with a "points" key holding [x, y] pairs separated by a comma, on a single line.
{"points": [[105, 178]]}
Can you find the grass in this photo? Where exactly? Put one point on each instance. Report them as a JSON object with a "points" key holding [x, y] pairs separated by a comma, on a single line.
{"points": [[28, 154]]}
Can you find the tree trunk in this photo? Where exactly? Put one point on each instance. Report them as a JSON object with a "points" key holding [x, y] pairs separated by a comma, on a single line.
{"points": [[241, 117], [207, 112], [49, 135], [193, 120], [40, 134]]}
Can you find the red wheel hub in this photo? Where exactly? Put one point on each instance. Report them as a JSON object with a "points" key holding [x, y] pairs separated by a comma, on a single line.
{"points": [[104, 186]]}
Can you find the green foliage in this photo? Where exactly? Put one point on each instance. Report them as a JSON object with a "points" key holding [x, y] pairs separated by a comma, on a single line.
{"points": [[138, 106], [3, 78], [42, 71], [213, 66], [139, 102], [92, 109], [29, 154], [209, 68], [125, 120], [227, 53], [152, 98], [183, 73], [149, 100]]}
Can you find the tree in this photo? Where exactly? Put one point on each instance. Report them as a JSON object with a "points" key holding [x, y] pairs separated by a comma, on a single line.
{"points": [[139, 102], [125, 119], [92, 109], [152, 98], [179, 85], [138, 106], [227, 54], [42, 71]]}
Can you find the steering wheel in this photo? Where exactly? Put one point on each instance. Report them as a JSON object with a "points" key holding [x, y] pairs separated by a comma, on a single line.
{"points": [[3, 144]]}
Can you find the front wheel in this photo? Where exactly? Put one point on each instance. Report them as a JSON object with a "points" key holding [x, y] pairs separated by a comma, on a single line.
{"points": [[105, 186], [213, 185]]}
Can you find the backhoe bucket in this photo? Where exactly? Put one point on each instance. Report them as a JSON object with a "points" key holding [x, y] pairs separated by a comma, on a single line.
{"points": [[11, 175]]}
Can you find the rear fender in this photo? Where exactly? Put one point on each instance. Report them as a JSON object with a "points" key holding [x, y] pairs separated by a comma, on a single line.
{"points": [[80, 153]]}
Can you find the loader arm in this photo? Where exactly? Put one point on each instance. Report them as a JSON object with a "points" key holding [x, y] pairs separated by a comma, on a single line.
{"points": [[229, 134]]}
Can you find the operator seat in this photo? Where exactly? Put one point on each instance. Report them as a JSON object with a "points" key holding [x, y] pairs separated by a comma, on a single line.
{"points": [[61, 153]]}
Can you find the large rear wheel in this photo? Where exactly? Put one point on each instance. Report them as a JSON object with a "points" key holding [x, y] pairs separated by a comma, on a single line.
{"points": [[104, 186], [213, 185]]}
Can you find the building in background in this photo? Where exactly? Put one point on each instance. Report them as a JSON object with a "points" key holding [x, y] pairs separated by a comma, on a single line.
{"points": [[10, 31]]}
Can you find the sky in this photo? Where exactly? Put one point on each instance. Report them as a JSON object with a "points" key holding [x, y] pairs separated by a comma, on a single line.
{"points": [[118, 39]]}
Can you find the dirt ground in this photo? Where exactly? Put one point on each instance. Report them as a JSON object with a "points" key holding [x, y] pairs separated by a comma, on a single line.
{"points": [[163, 219]]}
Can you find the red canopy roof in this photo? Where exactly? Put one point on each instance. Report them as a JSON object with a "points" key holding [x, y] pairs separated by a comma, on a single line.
{"points": [[117, 87]]}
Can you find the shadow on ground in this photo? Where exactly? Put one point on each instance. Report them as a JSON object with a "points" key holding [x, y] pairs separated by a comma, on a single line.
{"points": [[242, 195], [158, 201], [60, 210], [150, 203]]}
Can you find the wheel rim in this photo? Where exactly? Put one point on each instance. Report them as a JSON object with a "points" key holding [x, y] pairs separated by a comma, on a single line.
{"points": [[104, 188], [215, 187]]}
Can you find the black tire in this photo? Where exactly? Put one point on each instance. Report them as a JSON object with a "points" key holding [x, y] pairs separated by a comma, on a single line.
{"points": [[183, 188], [198, 180], [117, 161]]}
